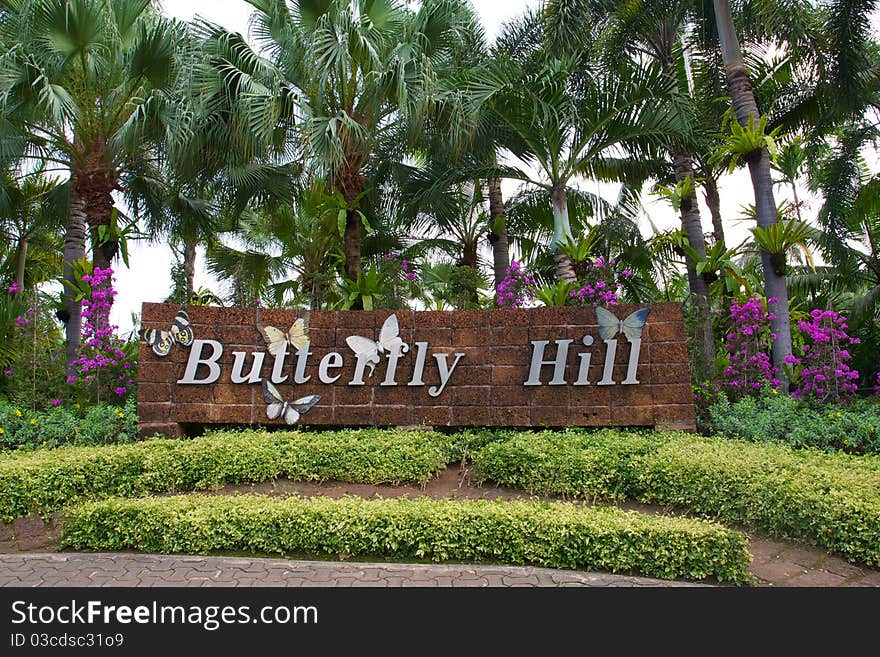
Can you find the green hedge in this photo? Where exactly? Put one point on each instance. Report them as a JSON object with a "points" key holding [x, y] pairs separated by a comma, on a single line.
{"points": [[559, 535], [47, 480], [832, 500]]}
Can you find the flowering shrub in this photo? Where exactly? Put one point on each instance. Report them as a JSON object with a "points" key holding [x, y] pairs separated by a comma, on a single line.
{"points": [[397, 281], [748, 343], [599, 285], [103, 368], [823, 375], [31, 347], [517, 289]]}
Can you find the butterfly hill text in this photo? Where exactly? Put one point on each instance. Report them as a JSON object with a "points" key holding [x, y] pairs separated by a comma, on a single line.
{"points": [[290, 357]]}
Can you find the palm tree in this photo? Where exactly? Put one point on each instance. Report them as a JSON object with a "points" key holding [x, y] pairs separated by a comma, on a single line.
{"points": [[30, 216], [656, 29], [745, 108], [90, 85], [571, 119], [354, 73]]}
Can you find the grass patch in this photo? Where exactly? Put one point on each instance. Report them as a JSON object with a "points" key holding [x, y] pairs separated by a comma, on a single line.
{"points": [[831, 500], [556, 535], [47, 480]]}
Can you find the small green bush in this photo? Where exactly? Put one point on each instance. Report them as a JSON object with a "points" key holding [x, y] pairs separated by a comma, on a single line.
{"points": [[46, 480], [558, 535], [832, 500], [854, 428], [92, 424]]}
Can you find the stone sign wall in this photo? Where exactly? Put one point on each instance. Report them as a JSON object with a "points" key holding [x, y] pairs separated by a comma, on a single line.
{"points": [[549, 367]]}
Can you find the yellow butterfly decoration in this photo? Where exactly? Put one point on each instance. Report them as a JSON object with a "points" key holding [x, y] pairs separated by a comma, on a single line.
{"points": [[297, 336]]}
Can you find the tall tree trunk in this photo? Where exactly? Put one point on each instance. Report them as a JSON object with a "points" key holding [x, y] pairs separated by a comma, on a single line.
{"points": [[74, 249], [744, 105], [189, 266], [101, 253], [316, 292], [713, 201], [498, 231], [21, 260], [693, 228], [351, 244], [561, 232], [469, 258]]}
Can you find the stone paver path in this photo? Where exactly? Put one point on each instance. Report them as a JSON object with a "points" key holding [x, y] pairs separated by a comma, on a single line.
{"points": [[75, 569]]}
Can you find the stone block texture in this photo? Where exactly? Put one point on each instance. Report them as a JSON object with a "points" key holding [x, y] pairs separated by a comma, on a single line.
{"points": [[485, 389]]}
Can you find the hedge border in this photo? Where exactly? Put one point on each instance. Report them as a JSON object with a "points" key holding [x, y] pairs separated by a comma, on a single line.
{"points": [[44, 481], [830, 500], [557, 534]]}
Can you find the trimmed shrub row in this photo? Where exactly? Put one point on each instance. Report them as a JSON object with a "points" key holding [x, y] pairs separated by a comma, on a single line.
{"points": [[47, 480], [832, 500], [558, 535]]}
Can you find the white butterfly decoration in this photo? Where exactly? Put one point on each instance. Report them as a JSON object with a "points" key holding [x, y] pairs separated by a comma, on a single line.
{"points": [[277, 407], [389, 340], [631, 327], [297, 336], [181, 333]]}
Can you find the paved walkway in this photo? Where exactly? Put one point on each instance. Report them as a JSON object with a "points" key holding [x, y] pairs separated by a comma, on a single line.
{"points": [[74, 569]]}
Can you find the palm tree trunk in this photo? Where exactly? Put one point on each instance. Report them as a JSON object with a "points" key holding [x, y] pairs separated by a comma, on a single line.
{"points": [[713, 201], [498, 231], [74, 249], [316, 292], [561, 232], [351, 244], [692, 226], [744, 105], [21, 260], [189, 266]]}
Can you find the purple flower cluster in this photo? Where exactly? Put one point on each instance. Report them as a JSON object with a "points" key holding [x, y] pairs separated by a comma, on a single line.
{"points": [[100, 352], [600, 286], [408, 274], [15, 288], [517, 289], [748, 345], [823, 374]]}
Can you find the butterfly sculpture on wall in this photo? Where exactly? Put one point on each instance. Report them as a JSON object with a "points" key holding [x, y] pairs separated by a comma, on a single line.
{"points": [[180, 333], [389, 340], [631, 326], [297, 336], [291, 411]]}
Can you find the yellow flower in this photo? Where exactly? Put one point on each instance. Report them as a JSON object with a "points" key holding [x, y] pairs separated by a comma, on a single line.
{"points": [[775, 391], [2, 431], [831, 416], [33, 422], [838, 414], [76, 405], [17, 413], [845, 441]]}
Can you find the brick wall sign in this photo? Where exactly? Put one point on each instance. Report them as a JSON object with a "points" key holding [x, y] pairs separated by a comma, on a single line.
{"points": [[549, 367]]}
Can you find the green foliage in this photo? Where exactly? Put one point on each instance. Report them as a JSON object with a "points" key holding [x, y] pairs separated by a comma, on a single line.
{"points": [[557, 535], [676, 194], [742, 141], [832, 500], [781, 237], [31, 351], [67, 424], [556, 295], [47, 480], [781, 418], [364, 291], [449, 285]]}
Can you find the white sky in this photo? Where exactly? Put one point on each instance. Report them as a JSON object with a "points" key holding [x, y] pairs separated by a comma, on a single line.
{"points": [[149, 278]]}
